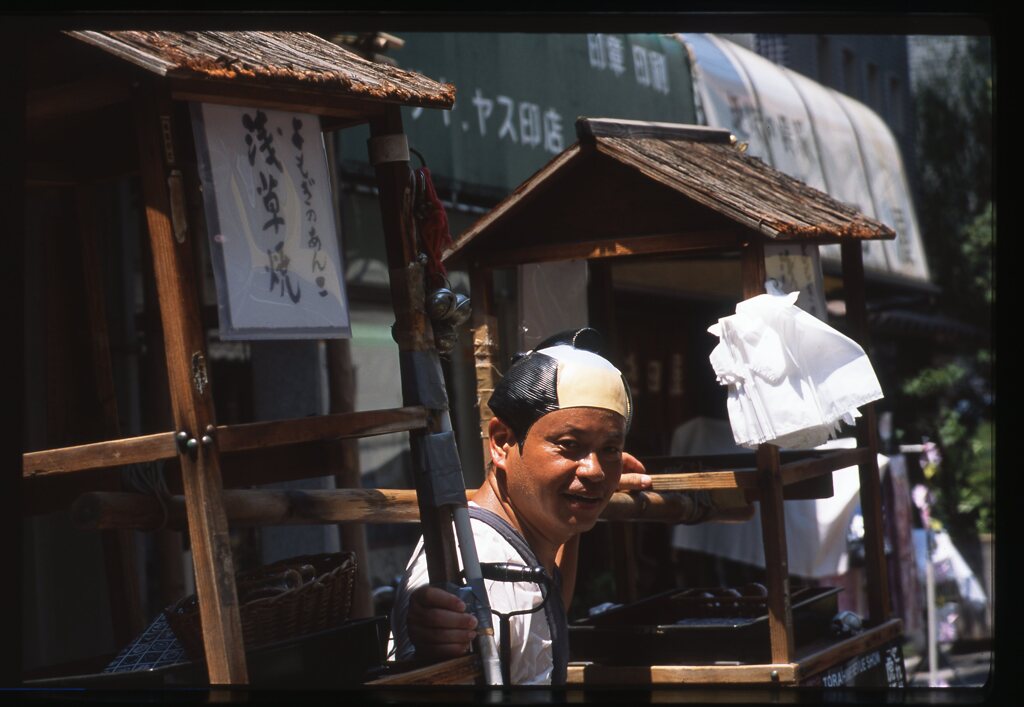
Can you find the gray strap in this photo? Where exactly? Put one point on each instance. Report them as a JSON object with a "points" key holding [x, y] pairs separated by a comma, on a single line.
{"points": [[558, 623]]}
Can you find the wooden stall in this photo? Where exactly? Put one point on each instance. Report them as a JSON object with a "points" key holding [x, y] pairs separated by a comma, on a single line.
{"points": [[103, 105], [648, 191]]}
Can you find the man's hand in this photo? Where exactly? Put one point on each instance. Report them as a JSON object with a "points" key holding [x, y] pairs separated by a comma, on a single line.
{"points": [[634, 476], [438, 625]]}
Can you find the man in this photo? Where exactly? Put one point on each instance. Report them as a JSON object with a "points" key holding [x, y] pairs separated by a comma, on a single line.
{"points": [[561, 416]]}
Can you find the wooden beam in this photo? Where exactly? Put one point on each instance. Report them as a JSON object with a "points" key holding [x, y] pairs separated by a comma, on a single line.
{"points": [[98, 510], [622, 675], [191, 397], [705, 480], [611, 127], [236, 93], [797, 471], [875, 568], [457, 671], [99, 455], [246, 507], [655, 244], [260, 435], [776, 560], [231, 438], [790, 473], [839, 653]]}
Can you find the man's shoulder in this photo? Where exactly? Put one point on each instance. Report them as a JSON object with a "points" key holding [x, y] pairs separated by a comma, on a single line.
{"points": [[491, 544]]}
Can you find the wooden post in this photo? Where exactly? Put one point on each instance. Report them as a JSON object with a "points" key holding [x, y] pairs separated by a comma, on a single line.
{"points": [[191, 397], [773, 517], [601, 316], [776, 554], [879, 600], [485, 352], [118, 545], [412, 327], [345, 459], [157, 414]]}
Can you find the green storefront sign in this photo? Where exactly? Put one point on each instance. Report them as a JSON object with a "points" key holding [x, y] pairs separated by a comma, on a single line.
{"points": [[519, 96]]}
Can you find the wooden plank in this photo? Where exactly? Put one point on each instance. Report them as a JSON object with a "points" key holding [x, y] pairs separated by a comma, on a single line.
{"points": [[705, 480], [101, 510], [250, 507], [794, 472], [823, 659], [233, 93], [875, 567], [260, 435], [776, 560], [654, 244], [621, 675], [99, 455], [191, 397], [457, 671], [230, 438], [608, 127], [344, 456]]}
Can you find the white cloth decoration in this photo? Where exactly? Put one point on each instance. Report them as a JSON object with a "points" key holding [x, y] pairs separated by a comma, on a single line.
{"points": [[791, 377]]}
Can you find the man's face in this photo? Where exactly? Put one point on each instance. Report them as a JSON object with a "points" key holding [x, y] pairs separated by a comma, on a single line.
{"points": [[569, 467]]}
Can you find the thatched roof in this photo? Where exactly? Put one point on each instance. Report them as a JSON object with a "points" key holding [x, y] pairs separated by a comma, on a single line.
{"points": [[284, 59], [626, 180]]}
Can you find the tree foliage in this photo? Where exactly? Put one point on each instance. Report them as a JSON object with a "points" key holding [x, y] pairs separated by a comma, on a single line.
{"points": [[954, 103]]}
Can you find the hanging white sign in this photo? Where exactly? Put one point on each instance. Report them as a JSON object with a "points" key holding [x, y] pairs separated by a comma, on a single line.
{"points": [[270, 218]]}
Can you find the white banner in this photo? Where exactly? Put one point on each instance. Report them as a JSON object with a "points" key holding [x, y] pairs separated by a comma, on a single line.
{"points": [[270, 217]]}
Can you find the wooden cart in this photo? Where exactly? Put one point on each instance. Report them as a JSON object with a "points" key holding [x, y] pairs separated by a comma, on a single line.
{"points": [[656, 191], [107, 104]]}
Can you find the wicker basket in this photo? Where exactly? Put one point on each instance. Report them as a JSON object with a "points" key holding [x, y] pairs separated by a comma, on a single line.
{"points": [[323, 601]]}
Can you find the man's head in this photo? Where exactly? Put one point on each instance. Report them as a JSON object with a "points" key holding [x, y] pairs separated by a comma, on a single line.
{"points": [[562, 412], [564, 371]]}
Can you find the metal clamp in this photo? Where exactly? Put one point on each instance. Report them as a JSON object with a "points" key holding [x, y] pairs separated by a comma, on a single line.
{"points": [[187, 444]]}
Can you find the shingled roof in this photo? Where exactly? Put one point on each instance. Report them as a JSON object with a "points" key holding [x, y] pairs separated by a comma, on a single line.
{"points": [[286, 59], [626, 179]]}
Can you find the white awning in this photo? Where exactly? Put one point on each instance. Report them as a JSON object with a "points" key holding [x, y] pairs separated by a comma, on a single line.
{"points": [[815, 134]]}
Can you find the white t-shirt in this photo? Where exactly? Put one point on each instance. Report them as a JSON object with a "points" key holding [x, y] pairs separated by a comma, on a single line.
{"points": [[532, 647]]}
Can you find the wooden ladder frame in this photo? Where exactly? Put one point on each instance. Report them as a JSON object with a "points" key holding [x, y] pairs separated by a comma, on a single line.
{"points": [[197, 442]]}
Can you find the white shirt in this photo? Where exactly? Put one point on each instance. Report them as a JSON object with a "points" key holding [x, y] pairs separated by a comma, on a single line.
{"points": [[532, 661]]}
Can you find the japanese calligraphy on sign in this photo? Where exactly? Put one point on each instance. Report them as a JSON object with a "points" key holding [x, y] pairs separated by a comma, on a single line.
{"points": [[269, 213]]}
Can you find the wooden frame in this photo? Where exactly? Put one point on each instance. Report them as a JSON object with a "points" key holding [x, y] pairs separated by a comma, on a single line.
{"points": [[767, 482], [175, 229]]}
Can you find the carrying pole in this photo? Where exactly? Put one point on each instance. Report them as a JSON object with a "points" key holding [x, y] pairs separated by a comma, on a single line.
{"points": [[440, 487]]}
